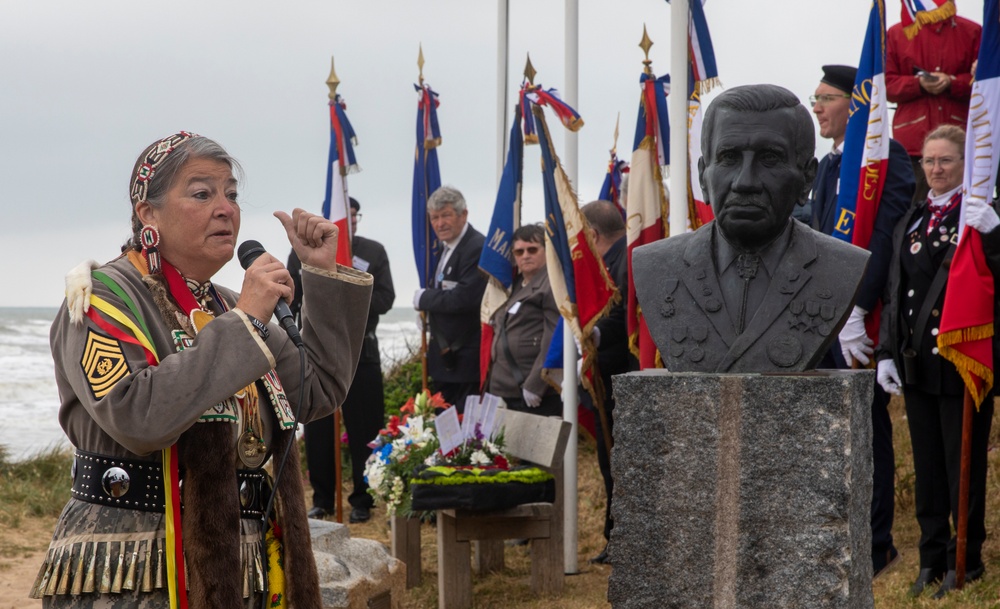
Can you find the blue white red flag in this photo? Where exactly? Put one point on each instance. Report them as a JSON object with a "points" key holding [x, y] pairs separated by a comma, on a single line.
{"points": [[341, 161], [653, 119], [705, 72], [918, 13], [426, 179], [496, 259], [866, 143], [537, 95], [647, 201], [703, 76], [582, 289], [611, 190], [965, 335]]}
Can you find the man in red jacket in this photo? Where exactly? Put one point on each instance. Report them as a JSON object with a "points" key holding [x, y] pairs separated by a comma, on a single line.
{"points": [[930, 79]]}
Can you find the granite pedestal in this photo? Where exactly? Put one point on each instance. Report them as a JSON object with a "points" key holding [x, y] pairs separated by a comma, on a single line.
{"points": [[742, 491]]}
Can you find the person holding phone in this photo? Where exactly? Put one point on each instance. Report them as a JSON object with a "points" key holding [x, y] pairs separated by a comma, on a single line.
{"points": [[929, 77]]}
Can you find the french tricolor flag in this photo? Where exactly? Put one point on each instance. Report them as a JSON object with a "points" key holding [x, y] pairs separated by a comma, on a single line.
{"points": [[866, 143]]}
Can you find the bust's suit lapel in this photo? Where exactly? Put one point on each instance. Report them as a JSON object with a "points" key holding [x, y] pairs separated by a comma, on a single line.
{"points": [[702, 282], [790, 277]]}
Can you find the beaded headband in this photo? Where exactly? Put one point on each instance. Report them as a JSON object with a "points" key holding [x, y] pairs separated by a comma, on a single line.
{"points": [[152, 158]]}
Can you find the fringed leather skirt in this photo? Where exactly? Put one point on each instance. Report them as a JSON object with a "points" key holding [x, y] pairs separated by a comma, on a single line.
{"points": [[104, 557]]}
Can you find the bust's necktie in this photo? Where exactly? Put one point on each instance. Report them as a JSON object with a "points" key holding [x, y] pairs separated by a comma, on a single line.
{"points": [[746, 267]]}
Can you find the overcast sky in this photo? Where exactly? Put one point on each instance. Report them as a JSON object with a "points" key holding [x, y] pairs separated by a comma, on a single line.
{"points": [[85, 86]]}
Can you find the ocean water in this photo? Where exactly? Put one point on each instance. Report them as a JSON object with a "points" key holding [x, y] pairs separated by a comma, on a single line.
{"points": [[29, 401]]}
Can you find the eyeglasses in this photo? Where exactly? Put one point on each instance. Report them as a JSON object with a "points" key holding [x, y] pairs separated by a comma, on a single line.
{"points": [[945, 162], [531, 249], [356, 216], [825, 99]]}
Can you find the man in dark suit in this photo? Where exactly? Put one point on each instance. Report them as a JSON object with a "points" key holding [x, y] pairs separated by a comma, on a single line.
{"points": [[364, 407], [454, 299], [607, 229], [753, 290], [831, 105]]}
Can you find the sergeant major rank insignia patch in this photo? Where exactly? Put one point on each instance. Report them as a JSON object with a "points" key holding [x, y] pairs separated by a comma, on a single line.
{"points": [[103, 363]]}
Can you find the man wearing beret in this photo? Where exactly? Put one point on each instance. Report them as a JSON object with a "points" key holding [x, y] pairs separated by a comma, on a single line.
{"points": [[831, 105]]}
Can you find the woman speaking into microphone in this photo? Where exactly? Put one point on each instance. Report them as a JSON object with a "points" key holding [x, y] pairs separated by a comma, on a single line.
{"points": [[175, 392]]}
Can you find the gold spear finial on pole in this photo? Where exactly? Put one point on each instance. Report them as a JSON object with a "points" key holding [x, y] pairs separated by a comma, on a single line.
{"points": [[529, 71], [645, 45], [614, 148], [420, 63], [332, 81]]}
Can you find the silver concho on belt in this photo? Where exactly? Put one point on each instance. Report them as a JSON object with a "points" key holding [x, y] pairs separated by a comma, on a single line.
{"points": [[115, 482]]}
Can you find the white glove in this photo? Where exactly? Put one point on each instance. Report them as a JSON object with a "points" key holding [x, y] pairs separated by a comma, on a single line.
{"points": [[980, 216], [854, 342], [596, 336], [416, 298], [530, 399], [420, 321], [888, 377], [79, 287]]}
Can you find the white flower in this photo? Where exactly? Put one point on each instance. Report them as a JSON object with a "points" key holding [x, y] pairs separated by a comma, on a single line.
{"points": [[479, 458]]}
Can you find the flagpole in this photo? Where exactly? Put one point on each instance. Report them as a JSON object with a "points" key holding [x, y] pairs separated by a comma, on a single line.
{"points": [[503, 34], [678, 112], [332, 82], [962, 526], [570, 382]]}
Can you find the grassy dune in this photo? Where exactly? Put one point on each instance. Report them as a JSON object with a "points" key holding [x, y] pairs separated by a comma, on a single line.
{"points": [[33, 492]]}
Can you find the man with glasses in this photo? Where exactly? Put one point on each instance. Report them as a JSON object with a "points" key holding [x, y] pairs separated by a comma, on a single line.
{"points": [[453, 299], [831, 105], [364, 407]]}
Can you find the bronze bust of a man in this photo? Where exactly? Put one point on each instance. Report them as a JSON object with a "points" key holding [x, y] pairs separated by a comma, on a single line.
{"points": [[754, 290]]}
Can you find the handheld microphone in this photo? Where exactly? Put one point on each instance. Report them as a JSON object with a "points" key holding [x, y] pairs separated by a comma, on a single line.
{"points": [[250, 251]]}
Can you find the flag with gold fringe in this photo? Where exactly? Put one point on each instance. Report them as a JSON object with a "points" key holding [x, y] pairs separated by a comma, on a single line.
{"points": [[646, 204], [918, 13], [703, 76], [965, 335], [580, 283]]}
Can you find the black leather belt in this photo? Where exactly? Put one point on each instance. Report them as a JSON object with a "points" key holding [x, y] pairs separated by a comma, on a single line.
{"points": [[138, 485]]}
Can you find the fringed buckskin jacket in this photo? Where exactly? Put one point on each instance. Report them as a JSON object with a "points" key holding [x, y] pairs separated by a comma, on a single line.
{"points": [[109, 547]]}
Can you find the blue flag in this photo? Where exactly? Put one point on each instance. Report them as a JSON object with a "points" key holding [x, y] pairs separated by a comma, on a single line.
{"points": [[426, 179]]}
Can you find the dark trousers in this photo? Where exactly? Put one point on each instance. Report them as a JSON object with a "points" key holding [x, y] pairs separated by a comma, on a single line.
{"points": [[936, 432], [884, 474], [883, 458], [455, 393], [603, 451], [364, 416]]}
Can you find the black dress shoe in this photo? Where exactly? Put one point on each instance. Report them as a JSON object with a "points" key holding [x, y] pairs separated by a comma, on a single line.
{"points": [[951, 579], [602, 558], [317, 513], [926, 576], [882, 561], [360, 514]]}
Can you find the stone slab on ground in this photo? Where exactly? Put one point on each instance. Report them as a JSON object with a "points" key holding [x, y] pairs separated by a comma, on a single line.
{"points": [[742, 491], [355, 573]]}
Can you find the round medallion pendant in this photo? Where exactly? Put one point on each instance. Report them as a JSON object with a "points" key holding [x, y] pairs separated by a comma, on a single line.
{"points": [[251, 450]]}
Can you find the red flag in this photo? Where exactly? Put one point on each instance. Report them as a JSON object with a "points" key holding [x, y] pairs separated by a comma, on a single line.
{"points": [[965, 335]]}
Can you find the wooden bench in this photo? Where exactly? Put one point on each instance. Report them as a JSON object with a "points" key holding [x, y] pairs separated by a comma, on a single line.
{"points": [[541, 441]]}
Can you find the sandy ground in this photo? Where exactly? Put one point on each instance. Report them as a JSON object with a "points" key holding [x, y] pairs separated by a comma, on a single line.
{"points": [[23, 550]]}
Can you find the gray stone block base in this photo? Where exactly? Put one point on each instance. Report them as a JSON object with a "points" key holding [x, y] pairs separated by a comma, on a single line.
{"points": [[355, 573], [742, 491]]}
